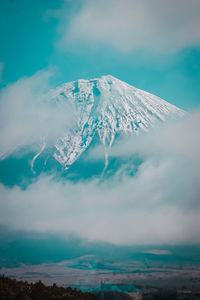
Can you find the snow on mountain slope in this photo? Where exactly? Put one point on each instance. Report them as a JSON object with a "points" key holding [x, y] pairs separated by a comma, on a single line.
{"points": [[106, 106]]}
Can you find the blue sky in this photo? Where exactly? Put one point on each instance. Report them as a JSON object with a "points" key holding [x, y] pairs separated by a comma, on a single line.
{"points": [[38, 34]]}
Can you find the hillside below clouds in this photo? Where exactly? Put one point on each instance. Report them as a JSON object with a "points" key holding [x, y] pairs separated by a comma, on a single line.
{"points": [[103, 109]]}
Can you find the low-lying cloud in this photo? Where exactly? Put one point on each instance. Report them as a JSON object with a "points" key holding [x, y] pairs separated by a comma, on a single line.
{"points": [[28, 115], [159, 204], [127, 25]]}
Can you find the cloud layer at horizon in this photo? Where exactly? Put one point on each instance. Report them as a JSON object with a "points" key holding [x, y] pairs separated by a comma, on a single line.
{"points": [[159, 204]]}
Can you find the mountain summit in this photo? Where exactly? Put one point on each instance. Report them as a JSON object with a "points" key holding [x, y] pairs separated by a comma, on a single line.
{"points": [[106, 107]]}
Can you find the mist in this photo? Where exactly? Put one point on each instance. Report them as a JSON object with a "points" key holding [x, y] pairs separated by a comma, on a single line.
{"points": [[29, 117], [159, 204]]}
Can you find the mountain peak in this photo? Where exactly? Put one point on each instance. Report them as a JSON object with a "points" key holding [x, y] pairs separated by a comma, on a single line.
{"points": [[108, 78], [105, 79], [106, 107]]}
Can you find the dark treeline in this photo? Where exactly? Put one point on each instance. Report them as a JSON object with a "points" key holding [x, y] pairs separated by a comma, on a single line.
{"points": [[11, 289]]}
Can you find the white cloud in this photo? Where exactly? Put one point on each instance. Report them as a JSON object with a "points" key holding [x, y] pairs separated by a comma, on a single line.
{"points": [[157, 25], [27, 115], [160, 204], [175, 138]]}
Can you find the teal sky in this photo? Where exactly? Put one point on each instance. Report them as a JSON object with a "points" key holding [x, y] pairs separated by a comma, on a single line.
{"points": [[31, 32]]}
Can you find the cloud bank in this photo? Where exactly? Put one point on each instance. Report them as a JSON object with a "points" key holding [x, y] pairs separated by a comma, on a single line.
{"points": [[28, 114], [159, 204], [126, 25]]}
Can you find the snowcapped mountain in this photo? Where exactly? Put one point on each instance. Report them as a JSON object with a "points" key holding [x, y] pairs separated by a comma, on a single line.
{"points": [[105, 107]]}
